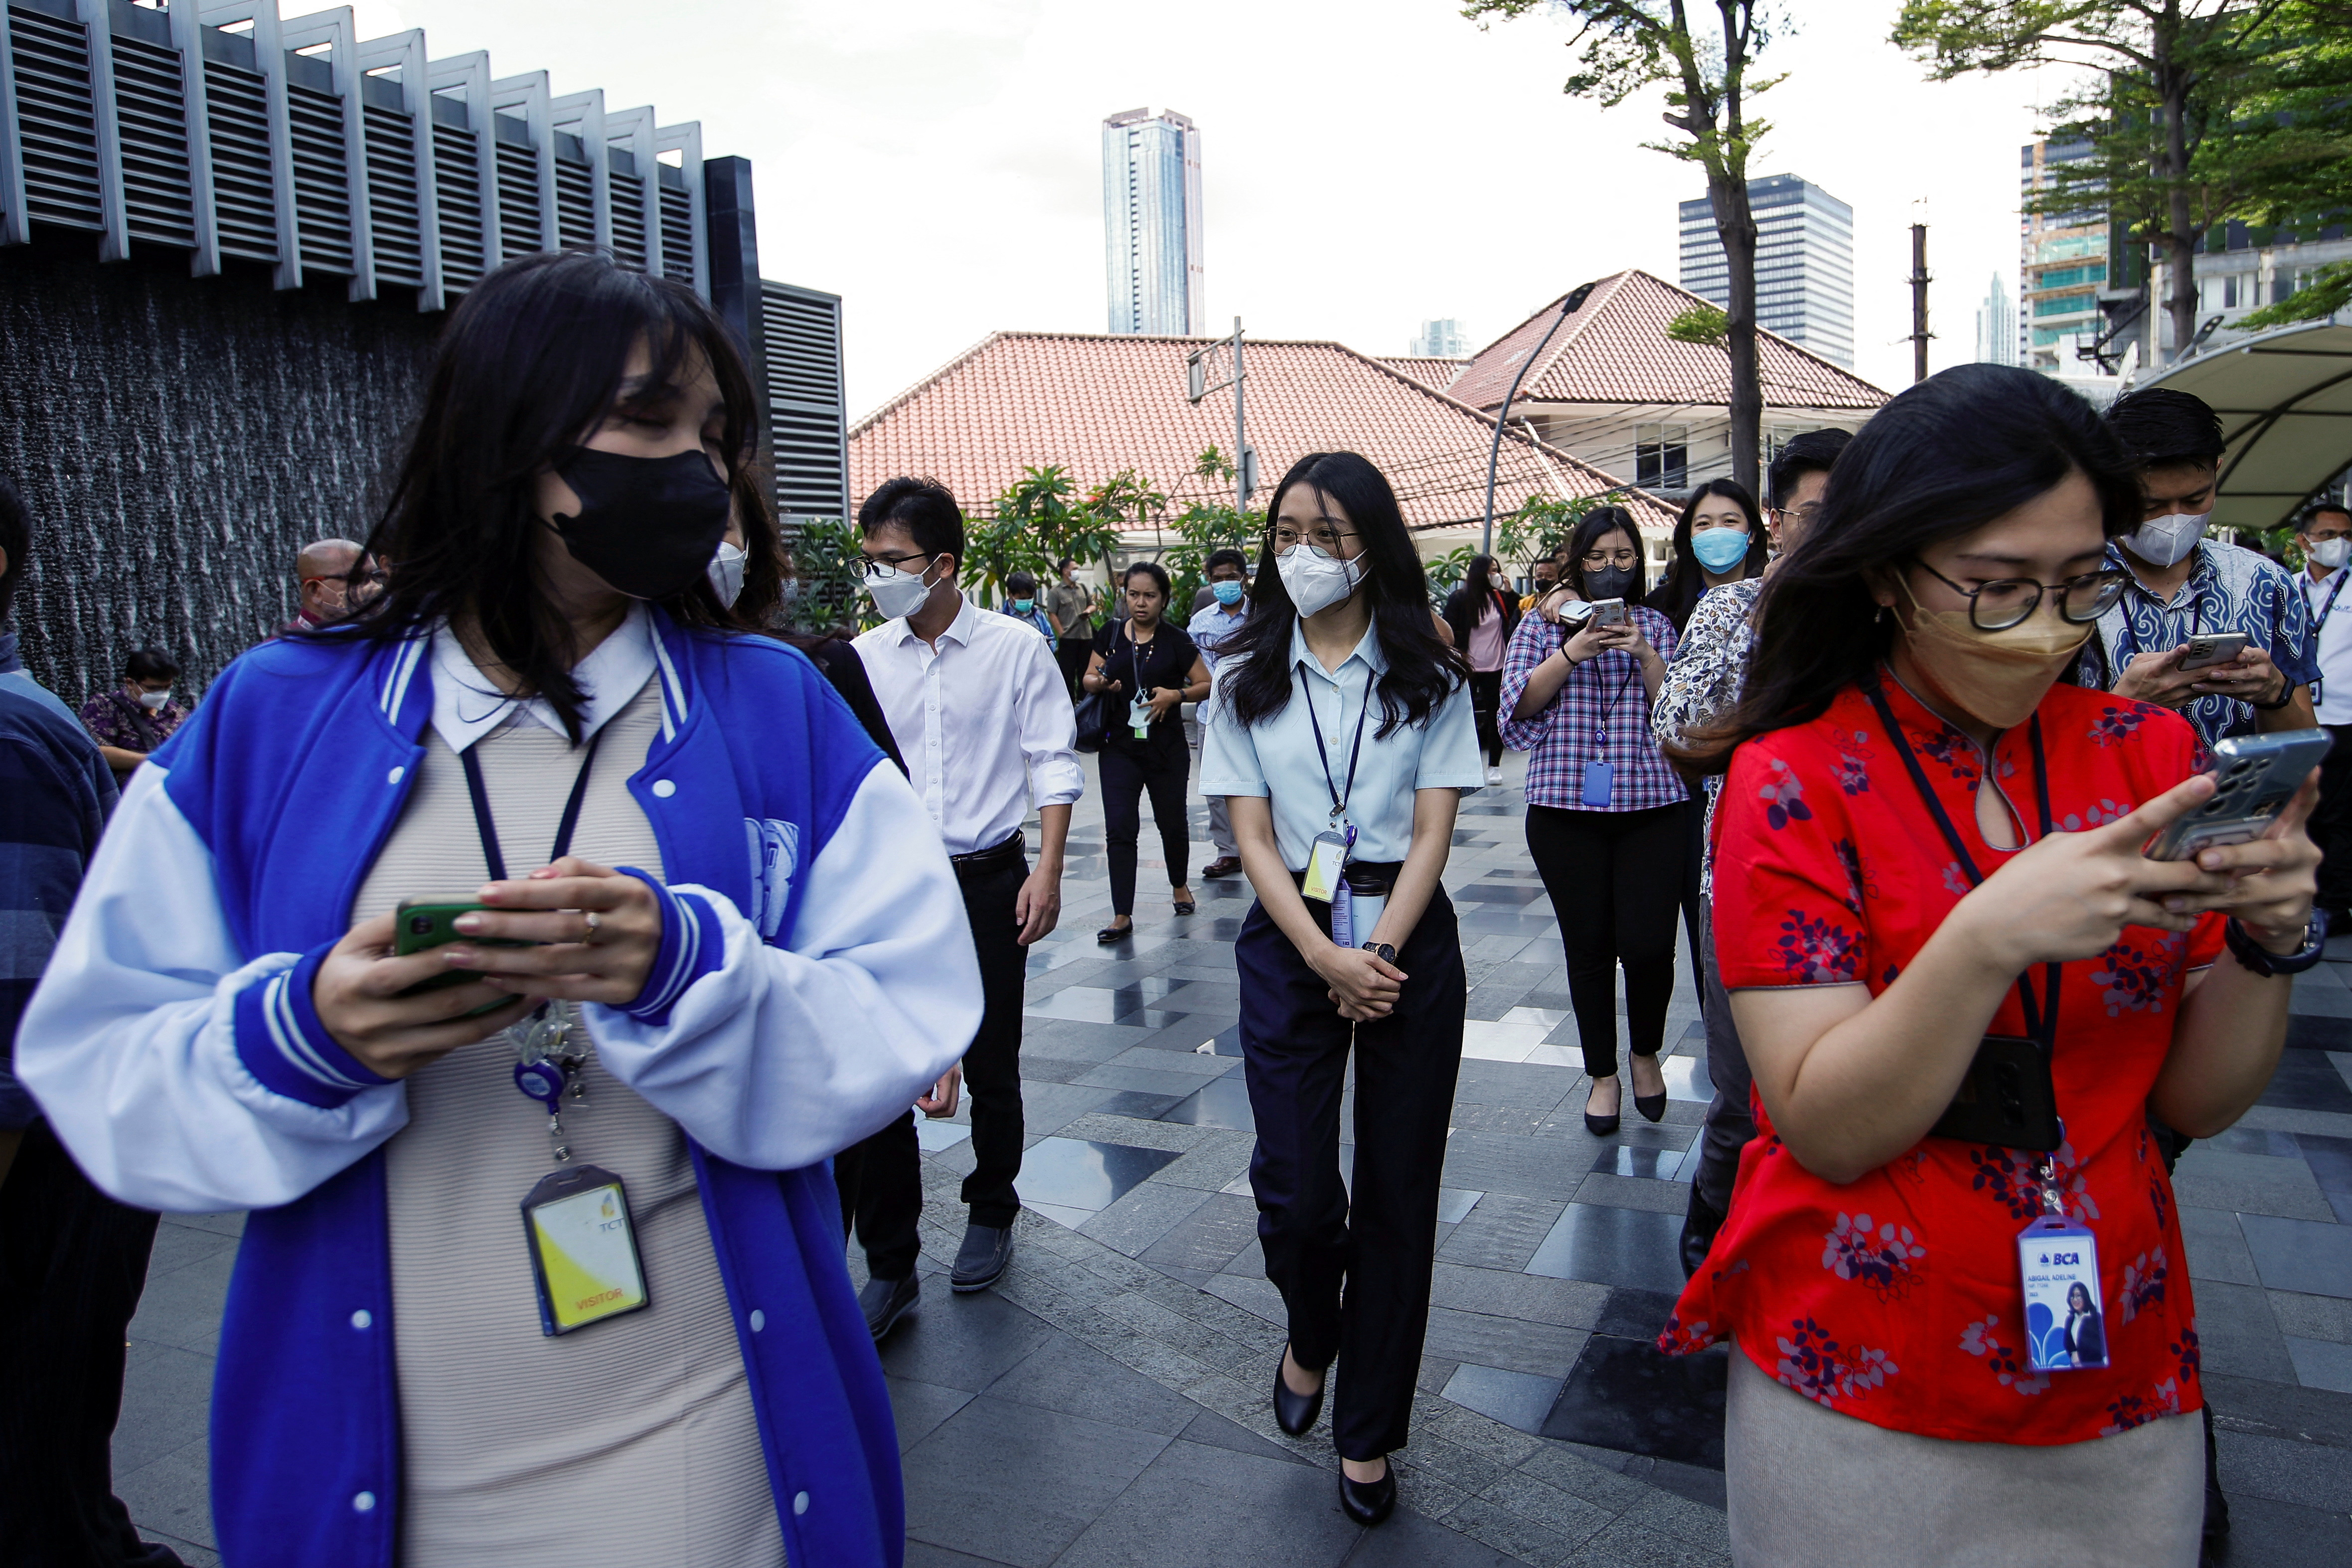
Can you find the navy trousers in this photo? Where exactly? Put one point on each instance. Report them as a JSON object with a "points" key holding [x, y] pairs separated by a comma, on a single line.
{"points": [[1354, 1277]]}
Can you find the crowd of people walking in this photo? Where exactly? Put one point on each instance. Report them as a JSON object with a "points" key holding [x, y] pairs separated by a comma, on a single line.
{"points": [[1891, 758]]}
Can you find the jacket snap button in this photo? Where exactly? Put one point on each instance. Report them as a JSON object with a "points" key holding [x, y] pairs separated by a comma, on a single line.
{"points": [[396, 775], [758, 1319], [664, 788], [799, 1502], [363, 1318], [364, 1503]]}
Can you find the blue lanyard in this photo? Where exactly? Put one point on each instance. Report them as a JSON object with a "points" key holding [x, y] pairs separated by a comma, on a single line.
{"points": [[1338, 798], [2327, 609]]}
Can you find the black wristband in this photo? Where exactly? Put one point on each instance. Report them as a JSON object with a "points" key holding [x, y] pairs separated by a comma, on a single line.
{"points": [[2287, 697]]}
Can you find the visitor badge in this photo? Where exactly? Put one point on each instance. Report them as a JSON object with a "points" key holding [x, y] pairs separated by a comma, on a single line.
{"points": [[1598, 778], [1326, 858], [584, 1249], [2065, 1326], [1139, 716]]}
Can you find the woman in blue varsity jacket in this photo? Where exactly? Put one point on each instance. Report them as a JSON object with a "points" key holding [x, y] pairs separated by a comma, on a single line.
{"points": [[518, 952]]}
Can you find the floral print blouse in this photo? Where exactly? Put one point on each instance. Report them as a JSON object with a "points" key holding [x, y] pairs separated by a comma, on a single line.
{"points": [[1896, 1297]]}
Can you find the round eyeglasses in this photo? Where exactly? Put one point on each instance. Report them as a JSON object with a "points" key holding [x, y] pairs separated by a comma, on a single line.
{"points": [[1998, 605]]}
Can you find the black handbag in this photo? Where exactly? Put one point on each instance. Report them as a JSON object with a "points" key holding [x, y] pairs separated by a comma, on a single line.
{"points": [[1094, 713]]}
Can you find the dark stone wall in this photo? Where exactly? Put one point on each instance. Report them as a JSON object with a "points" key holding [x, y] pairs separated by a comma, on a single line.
{"points": [[177, 440]]}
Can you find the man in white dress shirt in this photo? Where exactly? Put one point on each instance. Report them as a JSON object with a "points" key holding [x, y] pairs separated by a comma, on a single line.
{"points": [[2326, 537], [980, 715]]}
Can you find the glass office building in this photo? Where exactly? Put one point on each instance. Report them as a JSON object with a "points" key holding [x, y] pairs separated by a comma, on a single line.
{"points": [[1151, 223], [1804, 263]]}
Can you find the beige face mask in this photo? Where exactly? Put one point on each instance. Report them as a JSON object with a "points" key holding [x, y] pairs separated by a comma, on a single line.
{"points": [[1999, 677]]}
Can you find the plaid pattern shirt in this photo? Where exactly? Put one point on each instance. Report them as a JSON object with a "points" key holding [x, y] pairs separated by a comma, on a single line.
{"points": [[1601, 713]]}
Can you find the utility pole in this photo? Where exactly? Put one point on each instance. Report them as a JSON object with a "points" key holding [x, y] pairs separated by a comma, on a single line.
{"points": [[1198, 366], [1919, 333]]}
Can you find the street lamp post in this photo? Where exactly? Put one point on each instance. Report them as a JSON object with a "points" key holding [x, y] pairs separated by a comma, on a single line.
{"points": [[1494, 454], [1197, 385]]}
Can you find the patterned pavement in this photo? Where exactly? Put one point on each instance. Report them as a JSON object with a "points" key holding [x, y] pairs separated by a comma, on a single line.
{"points": [[1108, 1402]]}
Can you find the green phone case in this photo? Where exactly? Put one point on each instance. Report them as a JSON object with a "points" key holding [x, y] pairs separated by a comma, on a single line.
{"points": [[420, 924]]}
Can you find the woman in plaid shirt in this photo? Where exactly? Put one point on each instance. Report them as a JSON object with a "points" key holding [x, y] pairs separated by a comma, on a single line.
{"points": [[1604, 824]]}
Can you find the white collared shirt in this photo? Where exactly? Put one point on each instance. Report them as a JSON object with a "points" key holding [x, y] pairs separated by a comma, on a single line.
{"points": [[984, 722], [1277, 757], [466, 707]]}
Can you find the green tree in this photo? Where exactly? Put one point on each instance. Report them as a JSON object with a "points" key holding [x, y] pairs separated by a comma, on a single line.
{"points": [[1036, 523], [830, 570], [1702, 324], [1625, 45], [2329, 290]]}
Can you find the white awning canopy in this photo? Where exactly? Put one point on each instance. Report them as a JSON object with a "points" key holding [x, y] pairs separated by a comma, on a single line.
{"points": [[2286, 403]]}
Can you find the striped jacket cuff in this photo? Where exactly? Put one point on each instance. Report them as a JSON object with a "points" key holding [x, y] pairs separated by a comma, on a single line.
{"points": [[281, 1042], [693, 944]]}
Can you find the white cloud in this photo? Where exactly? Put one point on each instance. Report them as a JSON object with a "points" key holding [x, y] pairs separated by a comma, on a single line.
{"points": [[1365, 165]]}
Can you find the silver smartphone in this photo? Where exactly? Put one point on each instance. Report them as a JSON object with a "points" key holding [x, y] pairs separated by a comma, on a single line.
{"points": [[2258, 774], [1608, 612], [2209, 648]]}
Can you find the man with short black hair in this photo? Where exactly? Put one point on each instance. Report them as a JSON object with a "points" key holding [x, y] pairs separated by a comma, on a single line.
{"points": [[2325, 540], [73, 1262], [2184, 583], [1021, 604], [1212, 624], [1071, 605], [1545, 574], [985, 725]]}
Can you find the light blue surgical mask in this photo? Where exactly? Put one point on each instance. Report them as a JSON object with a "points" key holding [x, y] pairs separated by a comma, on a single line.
{"points": [[1719, 548], [1228, 594], [1022, 607]]}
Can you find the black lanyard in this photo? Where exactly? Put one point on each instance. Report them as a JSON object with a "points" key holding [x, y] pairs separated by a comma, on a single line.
{"points": [[2327, 609], [1600, 728], [491, 854], [1338, 798], [2042, 1018]]}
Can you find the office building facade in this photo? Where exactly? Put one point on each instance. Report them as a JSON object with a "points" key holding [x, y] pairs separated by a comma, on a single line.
{"points": [[1442, 339], [1152, 224], [1997, 325], [1804, 263], [2064, 266]]}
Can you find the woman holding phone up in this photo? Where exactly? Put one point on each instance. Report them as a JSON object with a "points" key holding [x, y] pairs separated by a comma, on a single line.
{"points": [[1604, 811], [1953, 1270], [1341, 729], [707, 937]]}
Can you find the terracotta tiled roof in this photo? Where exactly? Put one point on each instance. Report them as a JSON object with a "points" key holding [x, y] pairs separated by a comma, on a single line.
{"points": [[1098, 404], [1613, 348], [1428, 371]]}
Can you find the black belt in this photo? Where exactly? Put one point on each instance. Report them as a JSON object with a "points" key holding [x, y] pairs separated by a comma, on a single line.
{"points": [[988, 859], [1366, 879]]}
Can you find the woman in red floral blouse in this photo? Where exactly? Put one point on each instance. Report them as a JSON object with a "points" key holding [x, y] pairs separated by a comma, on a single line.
{"points": [[1883, 1405]]}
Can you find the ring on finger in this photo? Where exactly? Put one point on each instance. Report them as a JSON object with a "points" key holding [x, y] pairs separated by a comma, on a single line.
{"points": [[596, 924]]}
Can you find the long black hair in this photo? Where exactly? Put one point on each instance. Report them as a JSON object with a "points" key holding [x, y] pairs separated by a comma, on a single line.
{"points": [[1599, 523], [1421, 669], [527, 368], [1948, 456], [1686, 580]]}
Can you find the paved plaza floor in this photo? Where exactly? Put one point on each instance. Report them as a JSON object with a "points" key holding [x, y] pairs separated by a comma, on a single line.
{"points": [[1107, 1403]]}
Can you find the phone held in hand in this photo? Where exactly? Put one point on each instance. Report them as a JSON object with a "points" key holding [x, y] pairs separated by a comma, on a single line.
{"points": [[2256, 775], [2207, 649], [1609, 612], [422, 923]]}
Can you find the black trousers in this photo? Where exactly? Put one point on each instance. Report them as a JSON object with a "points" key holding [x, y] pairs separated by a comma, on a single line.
{"points": [[1127, 773], [1074, 653], [881, 1179], [2331, 824], [1486, 701], [72, 1265], [1731, 1117], [1615, 880], [1354, 1277]]}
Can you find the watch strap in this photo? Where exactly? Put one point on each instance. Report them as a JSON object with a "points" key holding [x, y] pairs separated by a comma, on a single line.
{"points": [[2253, 956], [1384, 952]]}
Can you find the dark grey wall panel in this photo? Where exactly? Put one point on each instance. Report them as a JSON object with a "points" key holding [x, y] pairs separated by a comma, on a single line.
{"points": [[178, 439]]}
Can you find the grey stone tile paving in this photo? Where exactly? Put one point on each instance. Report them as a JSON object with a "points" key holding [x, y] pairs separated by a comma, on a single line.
{"points": [[1107, 1404]]}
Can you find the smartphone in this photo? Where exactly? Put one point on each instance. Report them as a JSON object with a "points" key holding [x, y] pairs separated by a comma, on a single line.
{"points": [[2209, 648], [1608, 612], [2258, 774], [422, 923]]}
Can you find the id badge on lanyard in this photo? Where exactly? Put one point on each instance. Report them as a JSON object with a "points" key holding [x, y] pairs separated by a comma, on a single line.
{"points": [[1325, 878], [2065, 1322]]}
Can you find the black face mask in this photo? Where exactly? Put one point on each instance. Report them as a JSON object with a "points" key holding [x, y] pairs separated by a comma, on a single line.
{"points": [[1613, 583], [649, 526]]}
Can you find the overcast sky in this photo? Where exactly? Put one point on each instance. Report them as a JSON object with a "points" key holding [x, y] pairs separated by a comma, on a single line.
{"points": [[1365, 165]]}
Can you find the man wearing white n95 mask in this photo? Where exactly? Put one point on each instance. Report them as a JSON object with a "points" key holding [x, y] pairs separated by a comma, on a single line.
{"points": [[2326, 537], [2186, 585]]}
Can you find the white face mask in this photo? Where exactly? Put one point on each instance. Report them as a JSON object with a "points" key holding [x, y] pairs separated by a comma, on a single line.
{"points": [[2166, 541], [895, 593], [1315, 581], [152, 701], [725, 569], [2331, 553]]}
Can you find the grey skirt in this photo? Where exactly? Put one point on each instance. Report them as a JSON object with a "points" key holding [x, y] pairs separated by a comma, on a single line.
{"points": [[1812, 1489]]}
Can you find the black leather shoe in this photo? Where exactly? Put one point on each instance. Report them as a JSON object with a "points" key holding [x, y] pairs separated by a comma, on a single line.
{"points": [[1699, 1226], [1653, 1107], [979, 1261], [886, 1302], [1296, 1413], [1367, 1503], [1110, 934], [1599, 1126]]}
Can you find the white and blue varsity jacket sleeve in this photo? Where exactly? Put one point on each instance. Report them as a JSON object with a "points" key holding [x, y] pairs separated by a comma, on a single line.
{"points": [[181, 1076], [777, 1056]]}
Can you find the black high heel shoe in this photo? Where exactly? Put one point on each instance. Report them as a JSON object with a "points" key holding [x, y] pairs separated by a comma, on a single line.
{"points": [[1653, 1107], [1296, 1413], [1369, 1502], [1599, 1126]]}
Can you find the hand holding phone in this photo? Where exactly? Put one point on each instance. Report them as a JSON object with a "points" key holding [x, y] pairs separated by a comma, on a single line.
{"points": [[2256, 777], [2207, 649]]}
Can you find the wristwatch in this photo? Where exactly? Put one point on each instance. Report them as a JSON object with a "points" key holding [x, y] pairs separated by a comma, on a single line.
{"points": [[1384, 951], [2254, 956]]}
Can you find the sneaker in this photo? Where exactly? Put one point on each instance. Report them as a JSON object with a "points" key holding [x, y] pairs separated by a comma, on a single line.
{"points": [[1493, 775], [886, 1302], [979, 1261]]}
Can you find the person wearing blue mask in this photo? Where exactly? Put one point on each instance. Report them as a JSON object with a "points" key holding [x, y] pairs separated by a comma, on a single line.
{"points": [[1212, 623], [1021, 604]]}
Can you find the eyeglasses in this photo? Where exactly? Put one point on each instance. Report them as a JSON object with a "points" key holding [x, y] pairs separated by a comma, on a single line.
{"points": [[1321, 537], [1999, 606], [1621, 556], [876, 563], [1800, 515], [2323, 538]]}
